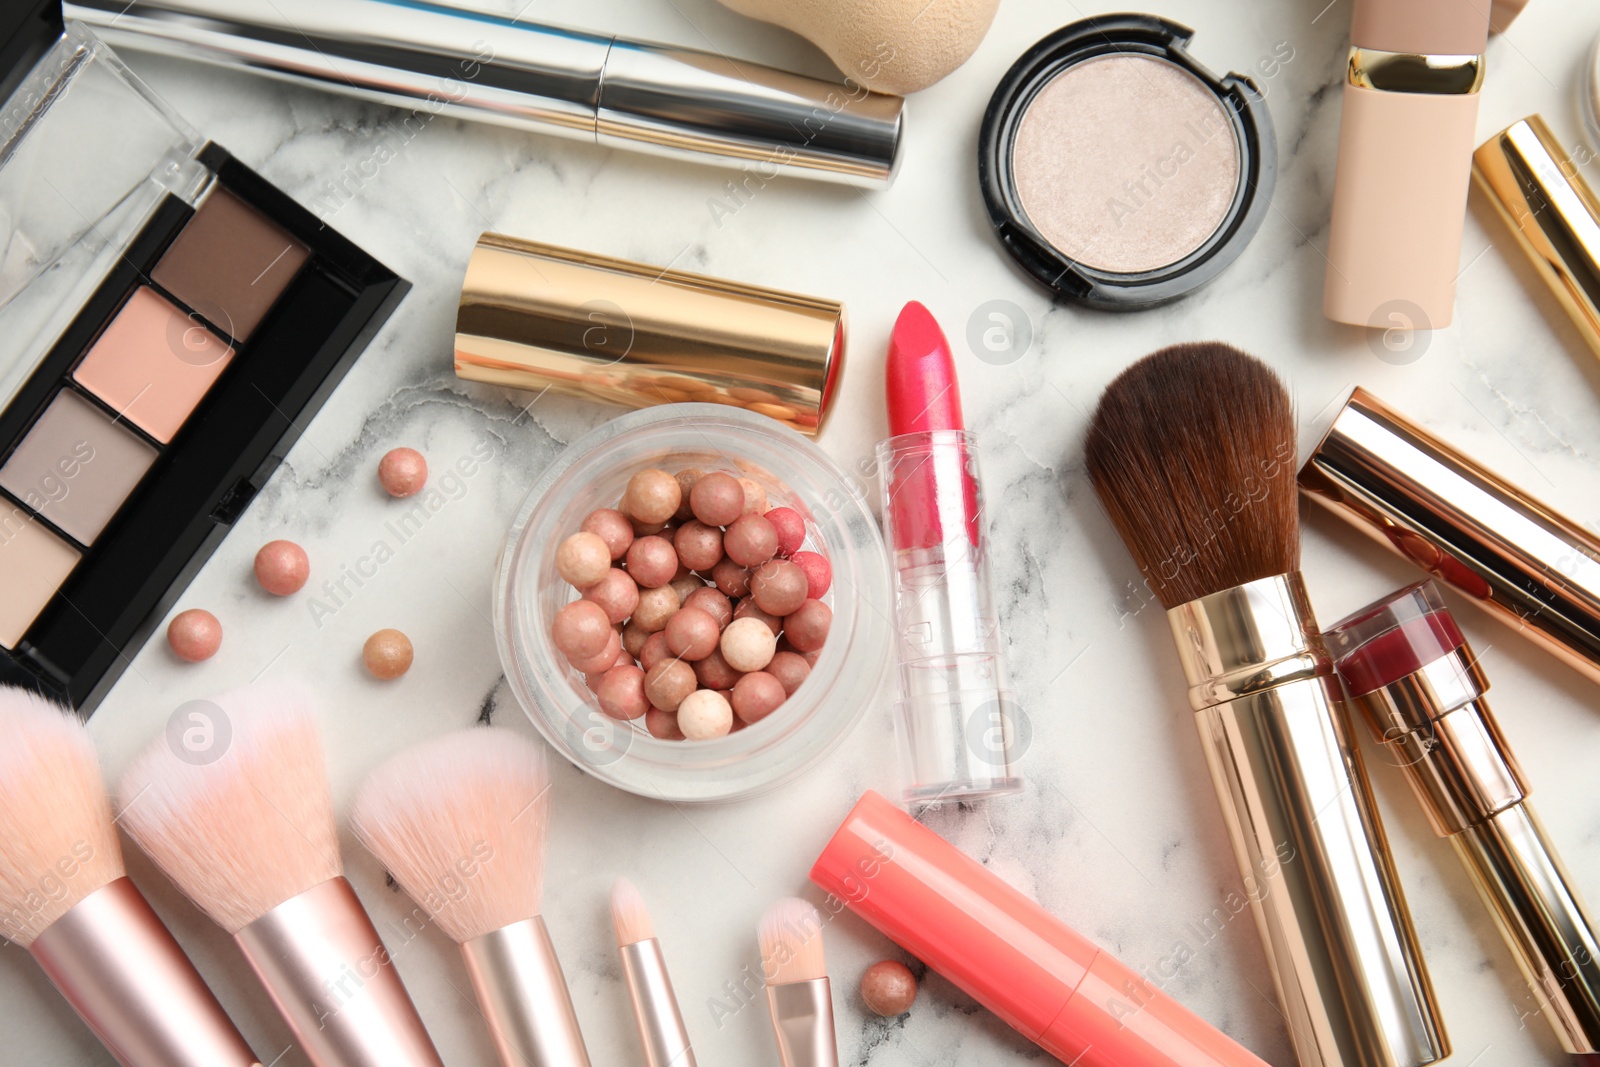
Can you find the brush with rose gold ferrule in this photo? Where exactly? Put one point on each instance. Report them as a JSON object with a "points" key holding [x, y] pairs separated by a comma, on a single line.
{"points": [[644, 970], [460, 821], [957, 714], [1407, 665], [1192, 452], [799, 996], [66, 898], [251, 839]]}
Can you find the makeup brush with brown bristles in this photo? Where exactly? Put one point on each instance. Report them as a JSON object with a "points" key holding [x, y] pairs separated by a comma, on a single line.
{"points": [[799, 997], [1192, 453], [460, 823], [249, 836], [65, 897], [662, 1034]]}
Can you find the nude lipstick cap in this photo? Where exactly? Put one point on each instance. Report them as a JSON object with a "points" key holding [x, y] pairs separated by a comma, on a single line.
{"points": [[1405, 155], [1049, 982], [534, 316], [1539, 192], [1521, 560]]}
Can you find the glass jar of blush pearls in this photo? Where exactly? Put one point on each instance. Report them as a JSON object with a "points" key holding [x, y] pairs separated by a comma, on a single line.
{"points": [[592, 473]]}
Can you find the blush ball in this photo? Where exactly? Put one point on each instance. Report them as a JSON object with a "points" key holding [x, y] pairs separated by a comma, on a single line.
{"points": [[731, 578], [402, 472], [713, 672], [194, 635], [889, 988], [705, 714], [750, 541], [655, 607], [621, 693], [652, 561], [790, 669], [662, 724], [712, 602], [612, 527], [717, 499], [652, 496], [819, 573], [692, 634], [791, 530], [778, 587], [387, 654], [583, 559], [581, 629], [757, 695], [748, 644], [668, 684], [282, 567], [807, 627], [616, 593]]}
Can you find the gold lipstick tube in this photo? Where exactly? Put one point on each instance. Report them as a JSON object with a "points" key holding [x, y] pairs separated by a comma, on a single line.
{"points": [[1305, 831], [1540, 194], [1408, 666], [1526, 563]]}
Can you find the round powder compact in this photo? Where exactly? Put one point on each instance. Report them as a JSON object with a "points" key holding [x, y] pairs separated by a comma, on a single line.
{"points": [[1118, 171]]}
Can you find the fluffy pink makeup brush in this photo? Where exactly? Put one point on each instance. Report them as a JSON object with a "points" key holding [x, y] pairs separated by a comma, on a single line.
{"points": [[250, 838], [65, 897], [459, 821]]}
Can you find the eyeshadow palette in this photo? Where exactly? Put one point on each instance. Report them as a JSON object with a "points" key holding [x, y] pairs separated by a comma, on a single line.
{"points": [[143, 420]]}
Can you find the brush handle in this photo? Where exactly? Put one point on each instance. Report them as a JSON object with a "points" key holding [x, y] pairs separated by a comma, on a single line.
{"points": [[802, 1023], [326, 969], [524, 996], [120, 969], [655, 1006]]}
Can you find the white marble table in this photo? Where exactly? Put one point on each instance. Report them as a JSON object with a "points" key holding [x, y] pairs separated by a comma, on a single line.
{"points": [[1119, 832]]}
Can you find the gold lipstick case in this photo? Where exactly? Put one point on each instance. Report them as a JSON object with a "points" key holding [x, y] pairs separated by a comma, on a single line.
{"points": [[1526, 563], [537, 317], [1539, 192], [1406, 664], [1305, 831]]}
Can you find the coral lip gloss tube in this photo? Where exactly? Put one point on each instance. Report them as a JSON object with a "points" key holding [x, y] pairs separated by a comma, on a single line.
{"points": [[1405, 161], [1405, 661], [1043, 978], [958, 720]]}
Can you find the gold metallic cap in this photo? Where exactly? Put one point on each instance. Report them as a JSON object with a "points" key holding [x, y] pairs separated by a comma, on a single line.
{"points": [[1539, 193], [535, 316]]}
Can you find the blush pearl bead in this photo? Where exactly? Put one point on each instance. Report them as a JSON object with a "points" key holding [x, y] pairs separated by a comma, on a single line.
{"points": [[655, 607], [713, 603], [692, 634], [713, 672], [705, 714], [402, 472], [601, 660], [194, 635], [686, 586], [652, 496], [655, 650], [581, 629], [583, 559], [731, 578], [790, 669], [387, 654], [686, 479], [750, 541], [807, 627], [717, 499], [633, 638], [791, 530], [748, 644], [889, 988], [616, 593], [662, 724], [668, 683], [621, 693], [757, 695], [699, 546], [612, 527], [652, 561], [755, 497], [778, 587], [819, 573], [748, 609], [282, 567]]}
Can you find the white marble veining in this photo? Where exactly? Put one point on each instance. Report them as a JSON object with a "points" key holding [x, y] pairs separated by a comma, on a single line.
{"points": [[1118, 832]]}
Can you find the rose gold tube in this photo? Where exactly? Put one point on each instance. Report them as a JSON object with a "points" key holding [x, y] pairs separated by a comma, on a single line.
{"points": [[523, 994], [802, 1021], [327, 971], [1525, 563], [118, 966], [1405, 160]]}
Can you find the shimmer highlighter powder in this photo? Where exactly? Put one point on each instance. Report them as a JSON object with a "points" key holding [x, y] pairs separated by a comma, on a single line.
{"points": [[1118, 171]]}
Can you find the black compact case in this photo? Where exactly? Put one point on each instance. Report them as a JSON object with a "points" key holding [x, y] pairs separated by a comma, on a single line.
{"points": [[206, 472]]}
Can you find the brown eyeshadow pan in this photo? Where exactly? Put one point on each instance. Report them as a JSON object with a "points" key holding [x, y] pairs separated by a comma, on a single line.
{"points": [[230, 263]]}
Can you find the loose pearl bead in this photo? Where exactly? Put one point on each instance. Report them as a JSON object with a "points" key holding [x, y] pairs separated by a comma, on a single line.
{"points": [[387, 654], [282, 567], [889, 988], [194, 635], [403, 472]]}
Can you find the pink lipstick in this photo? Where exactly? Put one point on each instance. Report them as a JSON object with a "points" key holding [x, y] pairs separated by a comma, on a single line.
{"points": [[958, 720]]}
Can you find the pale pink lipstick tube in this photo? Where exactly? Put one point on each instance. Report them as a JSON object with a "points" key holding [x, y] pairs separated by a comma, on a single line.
{"points": [[1405, 162], [118, 966], [1050, 983]]}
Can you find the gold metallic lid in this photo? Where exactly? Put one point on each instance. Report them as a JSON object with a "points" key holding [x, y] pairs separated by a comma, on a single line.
{"points": [[1539, 193], [535, 316]]}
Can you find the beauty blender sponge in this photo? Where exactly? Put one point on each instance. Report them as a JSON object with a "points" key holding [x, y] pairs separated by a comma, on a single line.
{"points": [[891, 46]]}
